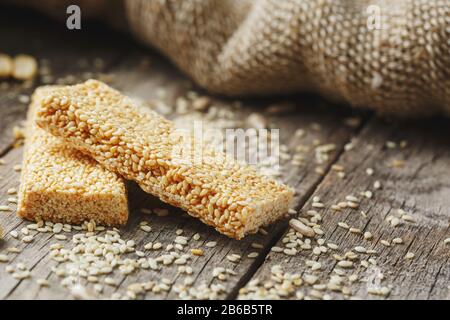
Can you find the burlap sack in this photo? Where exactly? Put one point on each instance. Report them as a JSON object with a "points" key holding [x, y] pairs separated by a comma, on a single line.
{"points": [[392, 56]]}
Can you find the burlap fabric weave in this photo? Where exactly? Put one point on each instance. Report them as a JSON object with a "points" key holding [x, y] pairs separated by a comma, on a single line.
{"points": [[398, 64]]}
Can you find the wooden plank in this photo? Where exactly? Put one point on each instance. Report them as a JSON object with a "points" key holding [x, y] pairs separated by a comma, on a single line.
{"points": [[131, 74], [8, 220], [420, 188], [165, 227]]}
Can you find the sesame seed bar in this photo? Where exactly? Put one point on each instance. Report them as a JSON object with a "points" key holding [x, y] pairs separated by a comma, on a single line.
{"points": [[138, 144], [60, 184]]}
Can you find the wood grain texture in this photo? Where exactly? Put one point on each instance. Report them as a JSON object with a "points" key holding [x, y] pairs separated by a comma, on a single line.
{"points": [[129, 75], [421, 188], [165, 227]]}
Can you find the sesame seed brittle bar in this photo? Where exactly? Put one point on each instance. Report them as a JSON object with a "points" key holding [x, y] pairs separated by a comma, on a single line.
{"points": [[61, 184], [138, 144]]}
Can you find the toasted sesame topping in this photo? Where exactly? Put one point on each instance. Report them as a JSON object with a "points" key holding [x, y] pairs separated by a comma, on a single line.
{"points": [[137, 144], [64, 182]]}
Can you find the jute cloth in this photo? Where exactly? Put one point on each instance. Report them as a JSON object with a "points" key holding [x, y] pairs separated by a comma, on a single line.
{"points": [[392, 56]]}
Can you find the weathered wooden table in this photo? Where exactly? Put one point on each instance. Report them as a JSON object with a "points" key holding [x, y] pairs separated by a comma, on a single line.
{"points": [[413, 177]]}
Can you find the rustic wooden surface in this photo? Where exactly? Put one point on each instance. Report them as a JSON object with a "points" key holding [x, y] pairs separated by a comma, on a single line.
{"points": [[421, 187]]}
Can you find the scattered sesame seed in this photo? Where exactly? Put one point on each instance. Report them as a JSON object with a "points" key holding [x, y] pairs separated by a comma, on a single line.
{"points": [[351, 198], [13, 250], [368, 235], [395, 222], [21, 266], [61, 237], [27, 239], [12, 200], [365, 263], [352, 205], [368, 194], [298, 226], [337, 167], [14, 234], [111, 282], [257, 245], [317, 205], [21, 275], [408, 218], [318, 231], [197, 252], [377, 185], [385, 243], [42, 282], [345, 264], [211, 244], [233, 257], [343, 225], [391, 145], [409, 255], [310, 279], [342, 205], [145, 228], [157, 246], [383, 291], [360, 249], [353, 278], [332, 246], [11, 191]]}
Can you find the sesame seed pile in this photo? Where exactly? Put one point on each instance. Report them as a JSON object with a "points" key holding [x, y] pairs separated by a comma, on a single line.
{"points": [[93, 258], [138, 144], [61, 184]]}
